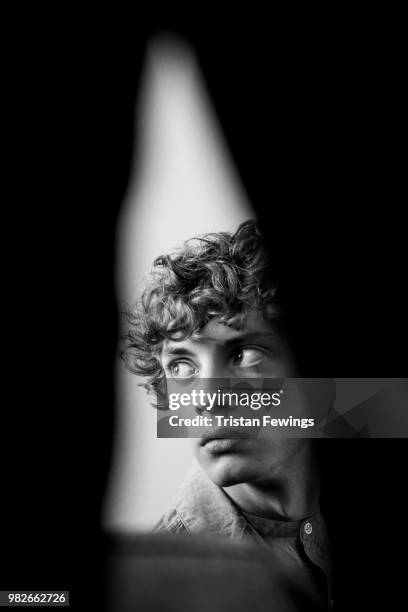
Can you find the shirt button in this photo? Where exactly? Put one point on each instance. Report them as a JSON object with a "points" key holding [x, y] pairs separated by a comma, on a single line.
{"points": [[308, 528]]}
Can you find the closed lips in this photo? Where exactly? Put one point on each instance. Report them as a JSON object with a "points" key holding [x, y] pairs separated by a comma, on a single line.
{"points": [[225, 433]]}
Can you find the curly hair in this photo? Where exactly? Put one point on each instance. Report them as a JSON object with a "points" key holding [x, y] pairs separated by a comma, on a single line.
{"points": [[214, 275]]}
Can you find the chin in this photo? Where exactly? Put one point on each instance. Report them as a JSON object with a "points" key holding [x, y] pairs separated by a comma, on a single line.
{"points": [[228, 470]]}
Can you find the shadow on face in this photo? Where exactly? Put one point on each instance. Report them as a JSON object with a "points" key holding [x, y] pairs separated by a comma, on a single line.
{"points": [[257, 350]]}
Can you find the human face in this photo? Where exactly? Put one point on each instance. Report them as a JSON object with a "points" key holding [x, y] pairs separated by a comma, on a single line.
{"points": [[257, 350]]}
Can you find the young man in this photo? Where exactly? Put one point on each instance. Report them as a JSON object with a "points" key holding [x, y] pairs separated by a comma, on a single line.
{"points": [[210, 311]]}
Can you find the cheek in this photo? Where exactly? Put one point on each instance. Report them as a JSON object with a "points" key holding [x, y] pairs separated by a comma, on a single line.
{"points": [[278, 369]]}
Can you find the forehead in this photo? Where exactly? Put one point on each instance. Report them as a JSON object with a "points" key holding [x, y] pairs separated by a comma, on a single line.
{"points": [[215, 332], [255, 322]]}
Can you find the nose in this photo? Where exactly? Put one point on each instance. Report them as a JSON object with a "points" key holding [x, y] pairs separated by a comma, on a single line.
{"points": [[212, 370], [214, 375], [210, 393]]}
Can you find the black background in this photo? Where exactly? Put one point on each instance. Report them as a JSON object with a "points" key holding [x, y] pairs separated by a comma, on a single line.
{"points": [[312, 111]]}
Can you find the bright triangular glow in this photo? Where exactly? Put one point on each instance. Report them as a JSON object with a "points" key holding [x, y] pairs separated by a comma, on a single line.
{"points": [[183, 184], [184, 181]]}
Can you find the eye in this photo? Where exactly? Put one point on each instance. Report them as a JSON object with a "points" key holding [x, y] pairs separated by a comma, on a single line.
{"points": [[182, 369], [248, 357]]}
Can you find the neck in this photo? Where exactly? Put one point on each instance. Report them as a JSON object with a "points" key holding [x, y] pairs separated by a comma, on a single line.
{"points": [[289, 492]]}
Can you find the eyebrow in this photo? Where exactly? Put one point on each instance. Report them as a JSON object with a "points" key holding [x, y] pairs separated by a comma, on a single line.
{"points": [[251, 337], [231, 342], [178, 350]]}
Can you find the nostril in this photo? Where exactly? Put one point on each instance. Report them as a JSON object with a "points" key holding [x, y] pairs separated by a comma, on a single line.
{"points": [[199, 409]]}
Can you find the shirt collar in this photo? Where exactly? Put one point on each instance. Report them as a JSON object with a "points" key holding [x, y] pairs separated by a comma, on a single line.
{"points": [[203, 506]]}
